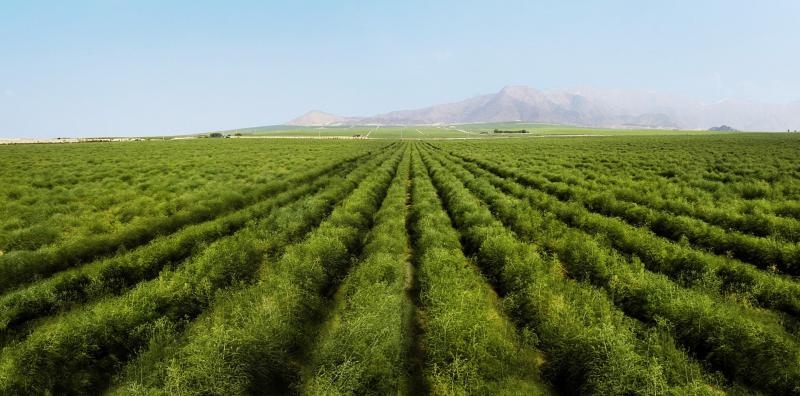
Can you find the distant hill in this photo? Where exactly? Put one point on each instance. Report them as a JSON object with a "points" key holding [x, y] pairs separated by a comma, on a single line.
{"points": [[723, 128], [317, 118], [584, 107]]}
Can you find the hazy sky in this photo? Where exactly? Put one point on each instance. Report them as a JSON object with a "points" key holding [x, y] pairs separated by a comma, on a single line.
{"points": [[113, 67]]}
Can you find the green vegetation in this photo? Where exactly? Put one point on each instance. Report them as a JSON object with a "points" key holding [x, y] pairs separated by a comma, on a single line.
{"points": [[706, 324], [591, 346], [456, 131], [364, 344], [451, 263], [470, 348]]}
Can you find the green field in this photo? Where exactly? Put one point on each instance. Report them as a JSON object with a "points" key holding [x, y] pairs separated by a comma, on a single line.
{"points": [[458, 131], [640, 262], [371, 132]]}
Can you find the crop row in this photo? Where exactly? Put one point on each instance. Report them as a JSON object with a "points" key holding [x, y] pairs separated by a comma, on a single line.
{"points": [[664, 196], [77, 352], [688, 266], [737, 341], [589, 345], [117, 274], [469, 346], [660, 192], [747, 174], [364, 345], [250, 338], [60, 195], [762, 252], [19, 267]]}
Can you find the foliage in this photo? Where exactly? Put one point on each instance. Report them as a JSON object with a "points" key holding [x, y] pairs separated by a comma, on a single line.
{"points": [[505, 265]]}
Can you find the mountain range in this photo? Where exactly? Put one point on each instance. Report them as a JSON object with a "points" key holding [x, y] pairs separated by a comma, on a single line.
{"points": [[583, 107]]}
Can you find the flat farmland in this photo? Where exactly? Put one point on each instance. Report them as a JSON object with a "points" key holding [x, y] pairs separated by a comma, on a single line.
{"points": [[370, 132], [455, 132], [429, 265]]}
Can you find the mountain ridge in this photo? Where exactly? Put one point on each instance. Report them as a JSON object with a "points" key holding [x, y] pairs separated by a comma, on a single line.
{"points": [[582, 107]]}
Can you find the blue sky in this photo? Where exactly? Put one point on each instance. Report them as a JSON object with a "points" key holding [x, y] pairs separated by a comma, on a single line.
{"points": [[113, 67]]}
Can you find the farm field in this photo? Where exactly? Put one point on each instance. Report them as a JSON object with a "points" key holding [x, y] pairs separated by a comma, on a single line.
{"points": [[457, 131], [636, 264], [371, 132]]}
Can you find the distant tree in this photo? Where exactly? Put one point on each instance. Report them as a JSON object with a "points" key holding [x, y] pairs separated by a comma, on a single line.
{"points": [[215, 135]]}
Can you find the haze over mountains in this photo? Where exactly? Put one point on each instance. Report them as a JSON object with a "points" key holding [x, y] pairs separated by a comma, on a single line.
{"points": [[584, 107]]}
